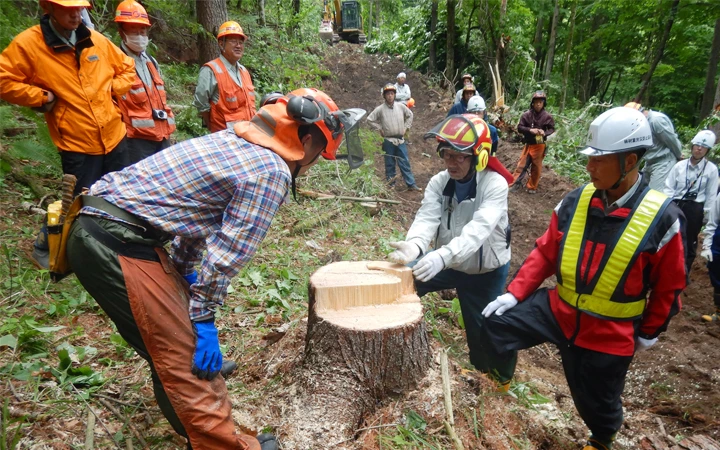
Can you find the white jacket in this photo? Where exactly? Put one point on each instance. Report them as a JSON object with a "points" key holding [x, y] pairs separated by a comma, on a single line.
{"points": [[472, 236]]}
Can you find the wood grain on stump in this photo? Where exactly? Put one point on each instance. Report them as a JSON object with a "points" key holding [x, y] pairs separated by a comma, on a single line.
{"points": [[366, 339]]}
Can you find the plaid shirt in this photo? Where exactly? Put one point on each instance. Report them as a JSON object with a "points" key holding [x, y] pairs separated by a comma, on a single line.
{"points": [[218, 192]]}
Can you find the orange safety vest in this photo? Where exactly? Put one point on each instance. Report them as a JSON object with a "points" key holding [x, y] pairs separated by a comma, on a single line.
{"points": [[137, 105], [235, 103]]}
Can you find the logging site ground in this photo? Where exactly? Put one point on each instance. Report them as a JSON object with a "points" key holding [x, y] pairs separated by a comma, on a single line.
{"points": [[62, 362]]}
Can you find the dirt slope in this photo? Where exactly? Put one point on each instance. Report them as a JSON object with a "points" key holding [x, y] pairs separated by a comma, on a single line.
{"points": [[676, 383]]}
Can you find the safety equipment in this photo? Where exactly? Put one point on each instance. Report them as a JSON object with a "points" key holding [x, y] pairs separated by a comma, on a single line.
{"points": [[429, 266], [601, 300], [191, 278], [137, 43], [410, 103], [465, 133], [228, 368], [207, 360], [143, 106], [618, 130], [714, 317], [231, 28], [267, 441], [469, 88], [476, 105], [644, 344], [389, 87], [404, 253], [68, 3], [235, 103], [539, 95], [401, 75], [707, 254], [467, 76], [269, 99], [130, 11], [500, 305], [634, 105], [705, 138]]}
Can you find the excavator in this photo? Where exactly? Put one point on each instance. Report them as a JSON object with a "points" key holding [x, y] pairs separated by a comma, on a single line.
{"points": [[345, 22]]}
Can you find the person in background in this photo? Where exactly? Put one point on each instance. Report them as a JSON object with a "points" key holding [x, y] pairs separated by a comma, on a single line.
{"points": [[666, 150], [617, 250], [461, 106], [147, 116], [693, 186], [71, 73], [225, 93], [476, 106], [466, 79], [403, 90], [393, 120], [536, 124]]}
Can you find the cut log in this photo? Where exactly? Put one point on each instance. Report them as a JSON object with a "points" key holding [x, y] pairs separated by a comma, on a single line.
{"points": [[366, 340]]}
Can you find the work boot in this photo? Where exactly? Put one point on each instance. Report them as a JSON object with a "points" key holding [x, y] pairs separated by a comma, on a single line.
{"points": [[714, 317], [415, 188], [594, 444], [503, 387], [532, 191], [267, 441], [41, 254], [228, 368]]}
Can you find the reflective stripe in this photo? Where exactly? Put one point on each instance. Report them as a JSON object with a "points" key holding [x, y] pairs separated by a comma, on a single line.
{"points": [[142, 123], [171, 120], [137, 91], [216, 66], [230, 99], [159, 87], [638, 227]]}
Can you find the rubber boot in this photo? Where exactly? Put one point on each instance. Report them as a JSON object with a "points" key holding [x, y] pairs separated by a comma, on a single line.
{"points": [[41, 253], [594, 444], [714, 317], [228, 368]]}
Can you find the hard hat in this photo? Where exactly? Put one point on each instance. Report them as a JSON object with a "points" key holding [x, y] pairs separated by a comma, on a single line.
{"points": [[130, 11], [68, 3], [401, 75], [539, 94], [704, 138], [410, 103], [231, 28], [464, 133], [618, 130], [635, 105], [476, 104], [469, 87], [269, 99], [389, 87], [467, 76]]}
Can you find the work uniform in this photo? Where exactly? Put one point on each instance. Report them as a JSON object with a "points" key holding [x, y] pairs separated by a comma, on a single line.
{"points": [[711, 241], [534, 144], [458, 95], [460, 107], [606, 259], [83, 72], [467, 225], [693, 188], [147, 132], [665, 152], [402, 93], [218, 193], [393, 121], [226, 91]]}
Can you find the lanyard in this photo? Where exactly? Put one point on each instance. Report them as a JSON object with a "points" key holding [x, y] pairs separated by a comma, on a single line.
{"points": [[698, 177]]}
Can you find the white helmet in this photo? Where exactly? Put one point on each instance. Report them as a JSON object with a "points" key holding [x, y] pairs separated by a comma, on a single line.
{"points": [[705, 138], [401, 75], [476, 104], [618, 130]]}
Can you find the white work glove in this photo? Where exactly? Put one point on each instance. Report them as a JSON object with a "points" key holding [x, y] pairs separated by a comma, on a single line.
{"points": [[428, 267], [644, 344], [707, 254], [406, 252], [500, 305]]}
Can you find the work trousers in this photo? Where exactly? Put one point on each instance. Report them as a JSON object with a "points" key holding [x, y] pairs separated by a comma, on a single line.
{"points": [[90, 168], [714, 267], [694, 220], [139, 149], [475, 292], [596, 379], [397, 153], [148, 302], [536, 152], [658, 170]]}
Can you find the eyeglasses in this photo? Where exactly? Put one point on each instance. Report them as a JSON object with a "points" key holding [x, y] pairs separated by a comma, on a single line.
{"points": [[457, 157], [235, 42]]}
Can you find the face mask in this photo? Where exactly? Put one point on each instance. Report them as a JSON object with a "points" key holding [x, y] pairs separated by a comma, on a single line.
{"points": [[137, 43]]}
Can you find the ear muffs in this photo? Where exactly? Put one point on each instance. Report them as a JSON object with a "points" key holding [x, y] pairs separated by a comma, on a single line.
{"points": [[482, 156]]}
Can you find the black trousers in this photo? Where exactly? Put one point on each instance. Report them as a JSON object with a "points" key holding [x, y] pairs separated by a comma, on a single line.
{"points": [[139, 149], [694, 220], [596, 379], [90, 168]]}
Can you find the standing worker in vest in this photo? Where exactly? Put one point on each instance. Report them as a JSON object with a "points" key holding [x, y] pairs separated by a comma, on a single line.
{"points": [[217, 196], [609, 243], [69, 72], [536, 124], [693, 186], [666, 150], [225, 93], [146, 114]]}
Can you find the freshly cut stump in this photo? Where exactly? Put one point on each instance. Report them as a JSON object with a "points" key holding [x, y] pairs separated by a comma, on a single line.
{"points": [[366, 339]]}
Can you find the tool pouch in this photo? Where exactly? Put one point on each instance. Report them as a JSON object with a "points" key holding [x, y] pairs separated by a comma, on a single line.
{"points": [[57, 242]]}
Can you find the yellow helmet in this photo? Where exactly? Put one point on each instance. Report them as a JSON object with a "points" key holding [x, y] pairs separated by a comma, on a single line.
{"points": [[130, 11], [466, 133], [68, 3], [635, 105], [231, 28]]}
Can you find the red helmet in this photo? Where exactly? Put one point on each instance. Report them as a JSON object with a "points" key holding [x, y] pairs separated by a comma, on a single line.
{"points": [[466, 133]]}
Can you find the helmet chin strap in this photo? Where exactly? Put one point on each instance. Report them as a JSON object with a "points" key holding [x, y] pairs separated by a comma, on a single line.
{"points": [[623, 172], [296, 171]]}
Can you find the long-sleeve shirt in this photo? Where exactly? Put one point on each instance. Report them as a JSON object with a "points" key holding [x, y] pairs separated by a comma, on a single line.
{"points": [[141, 68], [532, 119], [393, 120], [659, 269], [207, 86], [402, 93], [699, 180], [665, 141], [217, 193], [712, 224]]}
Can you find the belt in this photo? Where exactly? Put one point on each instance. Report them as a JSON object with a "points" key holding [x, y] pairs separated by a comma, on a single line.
{"points": [[141, 227], [123, 248]]}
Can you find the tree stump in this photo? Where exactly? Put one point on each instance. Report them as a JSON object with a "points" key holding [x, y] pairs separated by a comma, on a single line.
{"points": [[366, 339]]}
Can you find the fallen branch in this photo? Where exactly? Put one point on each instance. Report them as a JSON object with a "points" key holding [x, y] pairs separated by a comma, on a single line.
{"points": [[123, 419], [30, 208], [447, 394], [321, 196], [90, 431]]}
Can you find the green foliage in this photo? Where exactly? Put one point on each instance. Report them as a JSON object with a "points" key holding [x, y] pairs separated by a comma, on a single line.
{"points": [[412, 434], [68, 373], [527, 394], [9, 428]]}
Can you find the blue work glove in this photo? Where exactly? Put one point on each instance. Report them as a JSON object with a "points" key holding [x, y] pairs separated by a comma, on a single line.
{"points": [[191, 278], [207, 360]]}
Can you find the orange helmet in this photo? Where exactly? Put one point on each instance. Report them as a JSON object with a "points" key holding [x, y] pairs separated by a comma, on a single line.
{"points": [[130, 11], [635, 105], [311, 106], [68, 3], [411, 103], [231, 28], [466, 133]]}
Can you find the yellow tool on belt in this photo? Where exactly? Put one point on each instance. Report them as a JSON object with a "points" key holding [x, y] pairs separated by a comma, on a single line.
{"points": [[61, 215]]}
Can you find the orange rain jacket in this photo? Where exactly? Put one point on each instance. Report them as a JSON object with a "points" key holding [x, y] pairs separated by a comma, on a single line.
{"points": [[85, 119]]}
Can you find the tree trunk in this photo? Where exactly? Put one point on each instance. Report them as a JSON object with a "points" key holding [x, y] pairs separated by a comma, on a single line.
{"points": [[210, 14], [538, 41], [450, 42], [366, 339], [432, 58], [568, 51], [261, 13], [296, 16], [709, 92], [551, 43], [660, 51]]}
